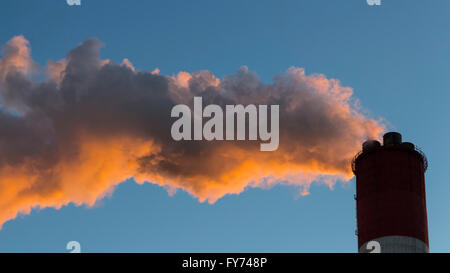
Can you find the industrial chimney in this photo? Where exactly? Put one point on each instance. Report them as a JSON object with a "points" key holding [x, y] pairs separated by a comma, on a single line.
{"points": [[390, 196]]}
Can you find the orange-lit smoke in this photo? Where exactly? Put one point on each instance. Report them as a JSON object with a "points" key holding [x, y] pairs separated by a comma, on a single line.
{"points": [[93, 123]]}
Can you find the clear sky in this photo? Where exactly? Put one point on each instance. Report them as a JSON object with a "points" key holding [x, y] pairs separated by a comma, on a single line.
{"points": [[395, 56]]}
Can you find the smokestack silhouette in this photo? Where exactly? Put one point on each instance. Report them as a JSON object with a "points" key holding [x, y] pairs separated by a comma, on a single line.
{"points": [[390, 199]]}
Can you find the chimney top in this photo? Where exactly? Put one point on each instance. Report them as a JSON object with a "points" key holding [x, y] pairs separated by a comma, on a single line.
{"points": [[392, 138]]}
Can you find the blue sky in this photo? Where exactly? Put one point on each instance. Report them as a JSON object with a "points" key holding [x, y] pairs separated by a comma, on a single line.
{"points": [[395, 56]]}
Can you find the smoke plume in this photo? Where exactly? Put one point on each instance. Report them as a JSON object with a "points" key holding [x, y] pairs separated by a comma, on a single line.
{"points": [[92, 124]]}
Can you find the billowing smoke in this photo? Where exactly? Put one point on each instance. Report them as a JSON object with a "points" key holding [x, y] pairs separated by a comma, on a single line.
{"points": [[92, 124]]}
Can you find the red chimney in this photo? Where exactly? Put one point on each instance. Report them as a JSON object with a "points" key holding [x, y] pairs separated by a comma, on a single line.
{"points": [[390, 196]]}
